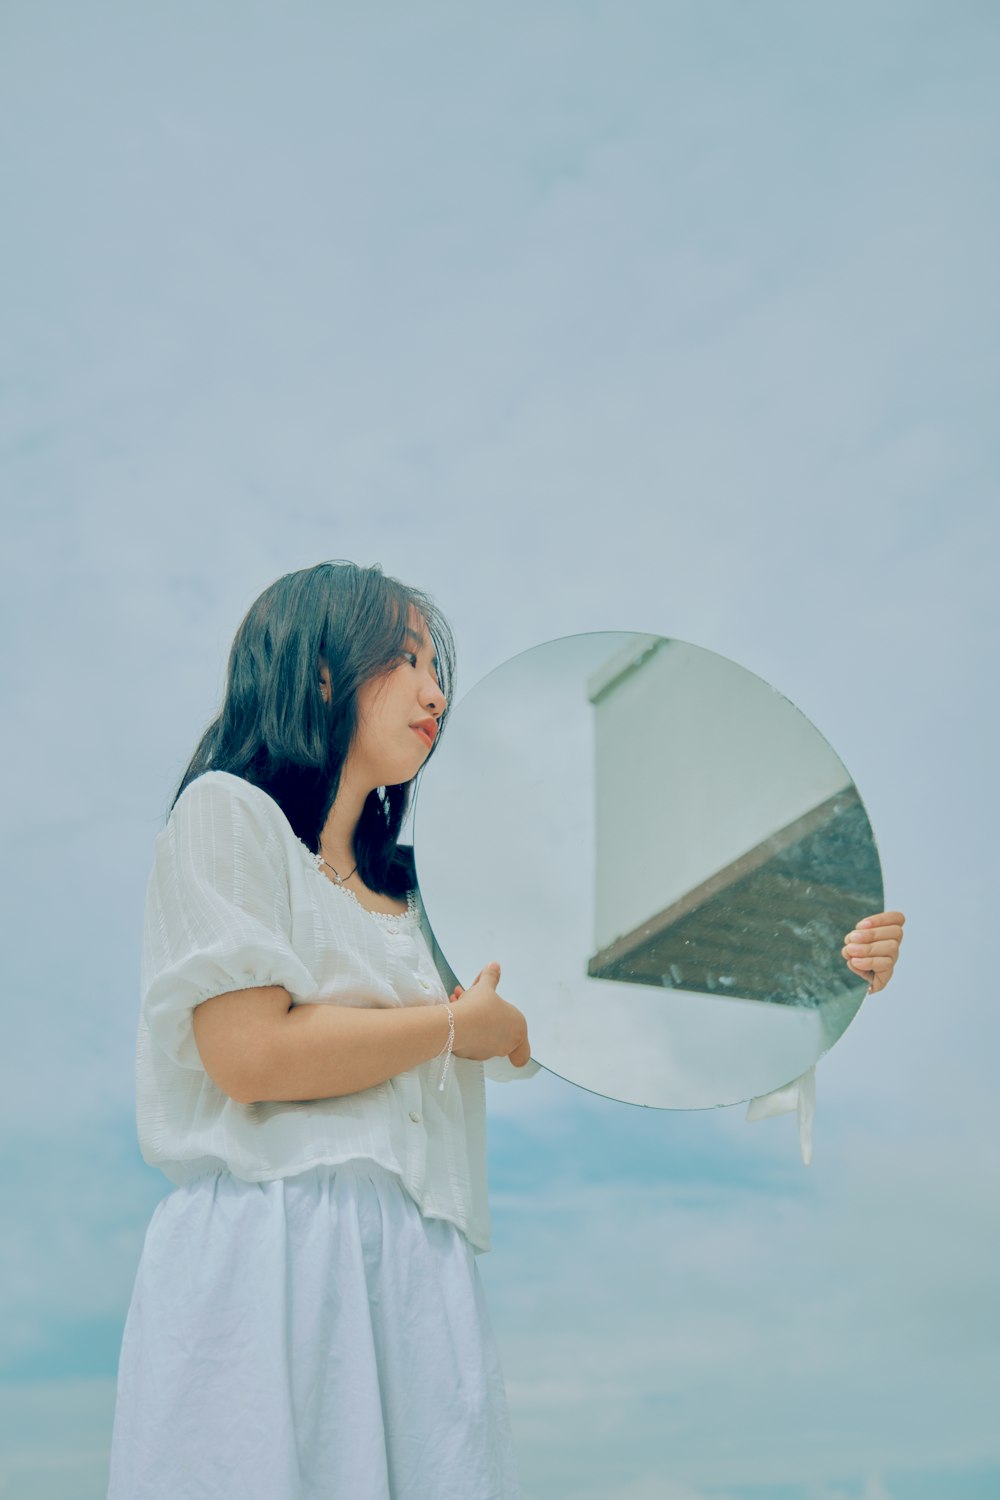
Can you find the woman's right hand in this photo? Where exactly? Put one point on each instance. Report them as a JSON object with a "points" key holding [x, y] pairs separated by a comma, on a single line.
{"points": [[486, 1025]]}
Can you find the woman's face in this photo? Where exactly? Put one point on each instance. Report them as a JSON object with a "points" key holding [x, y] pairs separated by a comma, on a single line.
{"points": [[397, 714]]}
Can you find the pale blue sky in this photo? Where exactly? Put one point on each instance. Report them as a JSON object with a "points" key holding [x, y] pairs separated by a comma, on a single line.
{"points": [[679, 318]]}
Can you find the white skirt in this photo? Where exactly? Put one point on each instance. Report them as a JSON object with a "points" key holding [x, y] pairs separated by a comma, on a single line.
{"points": [[308, 1338]]}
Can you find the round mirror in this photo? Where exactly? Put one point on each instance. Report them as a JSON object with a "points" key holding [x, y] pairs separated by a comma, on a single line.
{"points": [[664, 856]]}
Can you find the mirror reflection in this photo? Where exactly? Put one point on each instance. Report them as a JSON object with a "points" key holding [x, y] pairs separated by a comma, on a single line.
{"points": [[663, 853]]}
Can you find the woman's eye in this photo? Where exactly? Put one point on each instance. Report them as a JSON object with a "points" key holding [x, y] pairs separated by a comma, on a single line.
{"points": [[410, 656]]}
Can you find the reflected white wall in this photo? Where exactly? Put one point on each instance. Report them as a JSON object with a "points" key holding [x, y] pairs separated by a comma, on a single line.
{"points": [[698, 761]]}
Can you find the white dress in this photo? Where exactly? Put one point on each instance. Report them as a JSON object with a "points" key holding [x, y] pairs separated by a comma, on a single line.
{"points": [[313, 1327]]}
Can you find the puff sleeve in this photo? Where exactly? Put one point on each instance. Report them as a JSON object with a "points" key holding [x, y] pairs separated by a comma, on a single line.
{"points": [[217, 912]]}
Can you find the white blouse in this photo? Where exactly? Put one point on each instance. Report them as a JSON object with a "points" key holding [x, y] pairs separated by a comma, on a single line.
{"points": [[236, 900]]}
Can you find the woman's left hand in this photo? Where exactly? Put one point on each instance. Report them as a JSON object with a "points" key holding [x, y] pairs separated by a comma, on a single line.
{"points": [[873, 947]]}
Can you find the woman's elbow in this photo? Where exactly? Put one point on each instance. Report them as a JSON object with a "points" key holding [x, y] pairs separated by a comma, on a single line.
{"points": [[233, 1033]]}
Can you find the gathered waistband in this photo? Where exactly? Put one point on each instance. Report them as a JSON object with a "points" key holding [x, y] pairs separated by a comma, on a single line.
{"points": [[355, 1166], [358, 1179]]}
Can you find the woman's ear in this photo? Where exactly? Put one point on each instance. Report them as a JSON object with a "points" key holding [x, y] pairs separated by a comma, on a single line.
{"points": [[325, 685]]}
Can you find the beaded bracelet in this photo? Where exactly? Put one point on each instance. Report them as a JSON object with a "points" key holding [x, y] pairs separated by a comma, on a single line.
{"points": [[447, 1048]]}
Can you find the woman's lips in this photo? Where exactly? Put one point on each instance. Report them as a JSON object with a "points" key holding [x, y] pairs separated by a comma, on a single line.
{"points": [[424, 734]]}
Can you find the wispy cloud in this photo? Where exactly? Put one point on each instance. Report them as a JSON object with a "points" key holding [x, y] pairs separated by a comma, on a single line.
{"points": [[754, 1337]]}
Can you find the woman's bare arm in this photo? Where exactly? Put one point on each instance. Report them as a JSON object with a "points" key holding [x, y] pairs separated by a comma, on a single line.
{"points": [[258, 1047]]}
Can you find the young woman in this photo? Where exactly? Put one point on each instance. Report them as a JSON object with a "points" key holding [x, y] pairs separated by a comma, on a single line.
{"points": [[307, 1320]]}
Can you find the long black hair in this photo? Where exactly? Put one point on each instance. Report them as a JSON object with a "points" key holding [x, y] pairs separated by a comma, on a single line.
{"points": [[275, 729]]}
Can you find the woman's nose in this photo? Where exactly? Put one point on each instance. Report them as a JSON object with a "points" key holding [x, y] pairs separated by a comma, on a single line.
{"points": [[434, 699]]}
